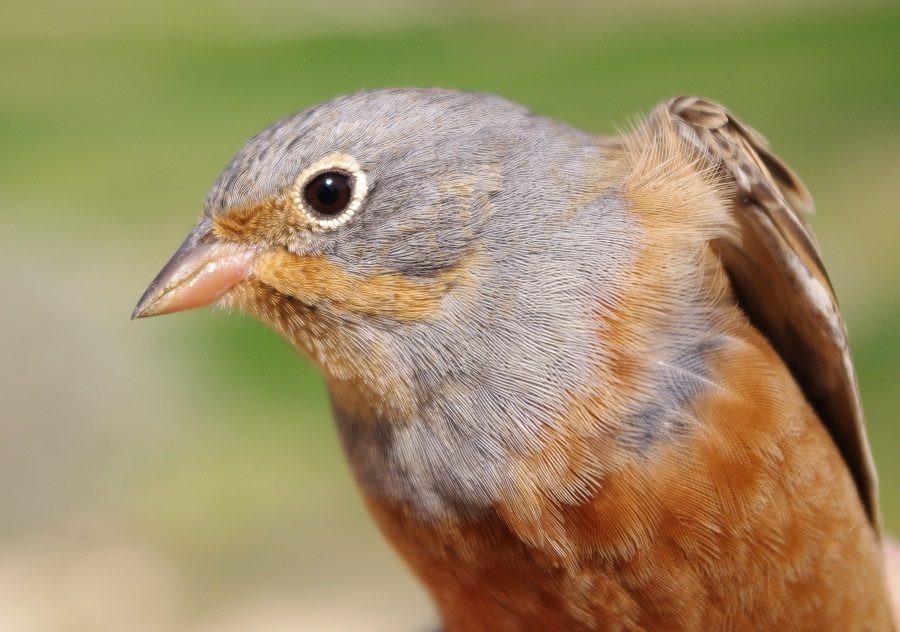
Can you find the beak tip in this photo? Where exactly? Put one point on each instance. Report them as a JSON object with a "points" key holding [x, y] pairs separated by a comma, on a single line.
{"points": [[145, 306]]}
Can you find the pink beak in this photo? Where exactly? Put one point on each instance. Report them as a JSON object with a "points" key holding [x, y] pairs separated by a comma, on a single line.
{"points": [[200, 272]]}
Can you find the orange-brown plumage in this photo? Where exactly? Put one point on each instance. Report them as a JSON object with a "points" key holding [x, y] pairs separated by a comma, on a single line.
{"points": [[584, 384]]}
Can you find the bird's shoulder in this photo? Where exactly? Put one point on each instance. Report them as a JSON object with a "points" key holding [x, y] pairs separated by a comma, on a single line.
{"points": [[699, 177]]}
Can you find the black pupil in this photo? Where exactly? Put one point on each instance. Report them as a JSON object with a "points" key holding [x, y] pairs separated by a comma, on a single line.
{"points": [[328, 193]]}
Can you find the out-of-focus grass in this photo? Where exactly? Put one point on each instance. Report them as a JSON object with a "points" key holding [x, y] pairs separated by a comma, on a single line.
{"points": [[203, 441]]}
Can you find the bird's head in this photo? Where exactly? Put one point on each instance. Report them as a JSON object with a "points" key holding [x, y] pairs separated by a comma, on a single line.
{"points": [[440, 256], [345, 226]]}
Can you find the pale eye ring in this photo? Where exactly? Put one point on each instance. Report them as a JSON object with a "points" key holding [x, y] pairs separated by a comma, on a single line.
{"points": [[328, 193]]}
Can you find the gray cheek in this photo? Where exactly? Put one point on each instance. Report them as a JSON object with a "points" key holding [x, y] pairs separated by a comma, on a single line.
{"points": [[414, 244], [418, 225]]}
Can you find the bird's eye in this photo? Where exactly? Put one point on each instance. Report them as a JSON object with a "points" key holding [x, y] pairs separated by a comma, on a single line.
{"points": [[329, 193]]}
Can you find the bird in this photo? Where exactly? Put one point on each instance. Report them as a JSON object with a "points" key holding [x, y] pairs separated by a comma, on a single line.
{"points": [[583, 382]]}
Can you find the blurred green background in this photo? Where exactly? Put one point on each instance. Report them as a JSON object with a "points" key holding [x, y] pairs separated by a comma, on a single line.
{"points": [[183, 473]]}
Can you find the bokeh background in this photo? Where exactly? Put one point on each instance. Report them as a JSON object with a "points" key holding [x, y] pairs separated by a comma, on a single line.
{"points": [[182, 473]]}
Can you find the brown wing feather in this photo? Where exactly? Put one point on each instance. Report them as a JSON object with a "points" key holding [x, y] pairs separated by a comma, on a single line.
{"points": [[777, 274]]}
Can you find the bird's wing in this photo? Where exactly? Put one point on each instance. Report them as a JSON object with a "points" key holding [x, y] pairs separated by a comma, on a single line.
{"points": [[777, 274]]}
